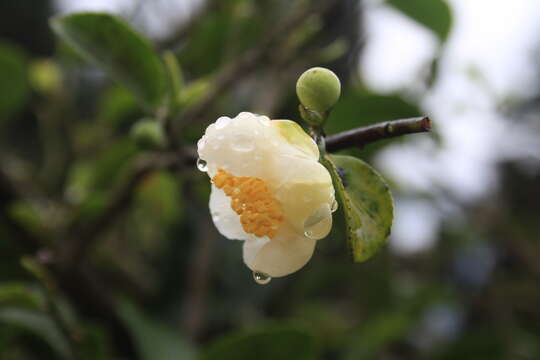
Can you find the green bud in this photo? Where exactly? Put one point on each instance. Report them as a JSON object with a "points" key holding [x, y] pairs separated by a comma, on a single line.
{"points": [[318, 89], [148, 134]]}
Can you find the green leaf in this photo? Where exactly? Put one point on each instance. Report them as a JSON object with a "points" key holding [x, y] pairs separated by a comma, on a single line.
{"points": [[154, 340], [434, 14], [20, 294], [14, 85], [284, 343], [110, 43], [38, 323], [366, 202]]}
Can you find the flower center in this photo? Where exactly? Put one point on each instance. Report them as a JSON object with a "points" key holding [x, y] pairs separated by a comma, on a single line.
{"points": [[260, 214]]}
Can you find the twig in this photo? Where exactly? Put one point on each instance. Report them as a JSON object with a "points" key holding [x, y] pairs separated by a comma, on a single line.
{"points": [[362, 136], [357, 137]]}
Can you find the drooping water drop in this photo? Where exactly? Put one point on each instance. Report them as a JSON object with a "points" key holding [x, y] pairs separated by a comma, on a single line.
{"points": [[243, 143], [261, 278], [202, 165], [334, 206], [318, 223]]}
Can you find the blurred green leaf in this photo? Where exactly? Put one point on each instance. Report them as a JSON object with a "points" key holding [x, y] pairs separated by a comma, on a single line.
{"points": [[117, 108], [13, 84], [112, 44], [20, 294], [154, 340], [367, 204], [434, 14], [379, 332], [27, 215], [282, 343], [37, 323], [160, 196]]}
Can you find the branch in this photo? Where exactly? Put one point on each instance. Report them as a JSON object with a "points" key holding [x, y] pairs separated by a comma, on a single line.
{"points": [[362, 136]]}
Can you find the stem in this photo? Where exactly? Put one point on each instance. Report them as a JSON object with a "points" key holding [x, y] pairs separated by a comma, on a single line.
{"points": [[362, 136]]}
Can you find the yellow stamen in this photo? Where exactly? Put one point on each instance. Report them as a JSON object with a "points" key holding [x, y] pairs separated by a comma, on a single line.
{"points": [[260, 214]]}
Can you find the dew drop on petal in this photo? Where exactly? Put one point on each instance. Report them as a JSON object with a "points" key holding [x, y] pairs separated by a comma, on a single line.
{"points": [[334, 206], [222, 122], [243, 143], [264, 120], [202, 165], [261, 278], [318, 223]]}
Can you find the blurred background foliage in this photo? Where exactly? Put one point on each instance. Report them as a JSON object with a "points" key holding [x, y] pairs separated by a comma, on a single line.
{"points": [[107, 250]]}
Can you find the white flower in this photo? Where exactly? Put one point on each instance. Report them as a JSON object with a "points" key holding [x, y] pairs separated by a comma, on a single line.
{"points": [[268, 189]]}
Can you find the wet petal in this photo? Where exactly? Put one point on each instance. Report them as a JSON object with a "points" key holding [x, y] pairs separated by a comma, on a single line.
{"points": [[226, 220], [284, 254]]}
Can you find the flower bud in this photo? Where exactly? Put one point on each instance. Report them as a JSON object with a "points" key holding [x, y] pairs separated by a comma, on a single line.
{"points": [[318, 89], [148, 134]]}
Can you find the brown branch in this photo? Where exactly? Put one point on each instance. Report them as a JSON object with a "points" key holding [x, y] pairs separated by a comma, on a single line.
{"points": [[357, 137], [362, 136]]}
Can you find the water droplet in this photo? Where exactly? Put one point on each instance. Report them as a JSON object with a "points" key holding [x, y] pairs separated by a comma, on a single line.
{"points": [[318, 223], [202, 165], [243, 143], [264, 120], [222, 122], [261, 278], [335, 206]]}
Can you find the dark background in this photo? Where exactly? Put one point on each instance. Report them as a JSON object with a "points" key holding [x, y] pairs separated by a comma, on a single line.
{"points": [[459, 280]]}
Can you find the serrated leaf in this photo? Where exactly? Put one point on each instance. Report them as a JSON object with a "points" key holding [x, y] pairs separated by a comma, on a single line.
{"points": [[110, 43], [284, 343], [434, 14], [366, 201]]}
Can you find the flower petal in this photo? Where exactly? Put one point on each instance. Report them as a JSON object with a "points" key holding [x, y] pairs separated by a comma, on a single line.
{"points": [[297, 137], [286, 253], [304, 187], [226, 220]]}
